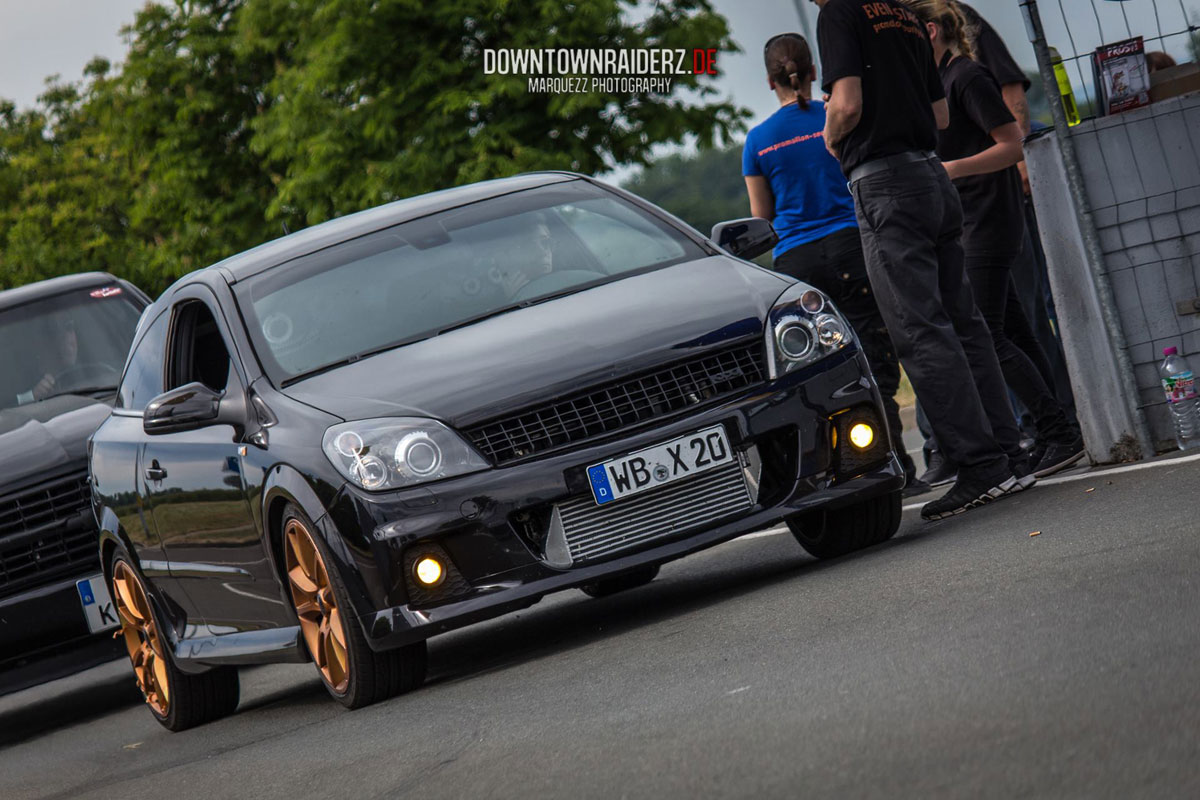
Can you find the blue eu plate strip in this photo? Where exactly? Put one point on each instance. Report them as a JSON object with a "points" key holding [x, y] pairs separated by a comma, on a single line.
{"points": [[85, 592], [600, 487]]}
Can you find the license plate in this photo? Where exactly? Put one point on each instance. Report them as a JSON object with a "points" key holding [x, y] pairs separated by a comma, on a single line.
{"points": [[659, 465], [98, 606]]}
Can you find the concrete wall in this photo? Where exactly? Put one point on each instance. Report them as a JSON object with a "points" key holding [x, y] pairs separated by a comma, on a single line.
{"points": [[1142, 175]]}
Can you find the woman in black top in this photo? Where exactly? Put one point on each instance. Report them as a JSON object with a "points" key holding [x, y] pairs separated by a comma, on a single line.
{"points": [[980, 149]]}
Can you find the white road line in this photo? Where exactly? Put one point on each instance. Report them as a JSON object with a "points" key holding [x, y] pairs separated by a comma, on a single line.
{"points": [[778, 529], [1101, 473]]}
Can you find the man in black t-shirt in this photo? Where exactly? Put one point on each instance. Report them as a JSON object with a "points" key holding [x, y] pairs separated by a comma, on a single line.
{"points": [[885, 108]]}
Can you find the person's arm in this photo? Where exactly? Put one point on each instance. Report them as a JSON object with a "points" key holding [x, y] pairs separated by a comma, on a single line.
{"points": [[762, 200], [843, 112], [842, 69], [1003, 154], [941, 114], [1014, 98]]}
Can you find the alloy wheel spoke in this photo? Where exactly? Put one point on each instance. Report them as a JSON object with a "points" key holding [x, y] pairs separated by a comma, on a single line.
{"points": [[335, 627], [301, 581], [125, 600]]}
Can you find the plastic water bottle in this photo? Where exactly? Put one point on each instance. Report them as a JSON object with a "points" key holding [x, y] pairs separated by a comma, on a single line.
{"points": [[1180, 387]]}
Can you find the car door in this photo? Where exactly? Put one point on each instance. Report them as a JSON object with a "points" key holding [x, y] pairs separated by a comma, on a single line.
{"points": [[197, 497]]}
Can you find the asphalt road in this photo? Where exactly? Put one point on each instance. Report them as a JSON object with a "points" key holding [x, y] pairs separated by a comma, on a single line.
{"points": [[963, 658]]}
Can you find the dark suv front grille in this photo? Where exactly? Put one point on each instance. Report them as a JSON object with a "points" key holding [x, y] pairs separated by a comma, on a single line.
{"points": [[611, 407], [46, 533]]}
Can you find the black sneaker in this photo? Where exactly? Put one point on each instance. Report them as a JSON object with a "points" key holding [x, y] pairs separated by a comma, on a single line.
{"points": [[940, 471], [916, 486], [1059, 455], [966, 494], [1022, 470]]}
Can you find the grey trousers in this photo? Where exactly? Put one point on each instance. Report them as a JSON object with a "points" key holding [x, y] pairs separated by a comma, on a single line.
{"points": [[910, 219]]}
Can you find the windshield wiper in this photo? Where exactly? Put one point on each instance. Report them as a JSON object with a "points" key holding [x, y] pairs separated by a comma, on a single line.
{"points": [[341, 362], [425, 335], [504, 310], [83, 390]]}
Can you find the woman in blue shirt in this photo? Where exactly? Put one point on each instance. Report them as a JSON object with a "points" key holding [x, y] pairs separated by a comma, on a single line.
{"points": [[794, 182]]}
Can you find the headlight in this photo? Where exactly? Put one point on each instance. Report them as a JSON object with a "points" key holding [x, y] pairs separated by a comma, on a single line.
{"points": [[395, 452], [803, 327]]}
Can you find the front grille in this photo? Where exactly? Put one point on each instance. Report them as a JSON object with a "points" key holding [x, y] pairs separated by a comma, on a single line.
{"points": [[593, 532], [609, 408], [46, 534]]}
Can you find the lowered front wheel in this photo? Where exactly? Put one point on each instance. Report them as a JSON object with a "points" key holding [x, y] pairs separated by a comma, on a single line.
{"points": [[830, 534], [353, 673], [176, 699]]}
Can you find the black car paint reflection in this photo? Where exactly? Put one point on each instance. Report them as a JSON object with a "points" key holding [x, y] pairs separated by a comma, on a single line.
{"points": [[207, 532]]}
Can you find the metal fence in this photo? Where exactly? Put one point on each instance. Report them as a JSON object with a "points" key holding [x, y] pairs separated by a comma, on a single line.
{"points": [[1131, 218]]}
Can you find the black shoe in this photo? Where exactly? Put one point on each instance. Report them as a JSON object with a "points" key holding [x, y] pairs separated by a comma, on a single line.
{"points": [[916, 486], [967, 493], [1059, 455], [1022, 470], [941, 470]]}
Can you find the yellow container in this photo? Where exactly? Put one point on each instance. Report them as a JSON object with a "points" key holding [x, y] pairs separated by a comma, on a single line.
{"points": [[1064, 88]]}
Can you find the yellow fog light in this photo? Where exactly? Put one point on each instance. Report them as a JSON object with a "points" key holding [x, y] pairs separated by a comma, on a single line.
{"points": [[861, 435], [429, 571]]}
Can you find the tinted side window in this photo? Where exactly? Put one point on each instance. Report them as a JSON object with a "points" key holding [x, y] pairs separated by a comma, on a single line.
{"points": [[144, 378], [197, 350]]}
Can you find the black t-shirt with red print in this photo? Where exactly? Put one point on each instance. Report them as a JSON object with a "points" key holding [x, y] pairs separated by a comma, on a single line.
{"points": [[886, 45]]}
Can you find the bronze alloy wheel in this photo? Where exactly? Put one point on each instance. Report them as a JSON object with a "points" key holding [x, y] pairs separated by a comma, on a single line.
{"points": [[142, 638], [316, 605]]}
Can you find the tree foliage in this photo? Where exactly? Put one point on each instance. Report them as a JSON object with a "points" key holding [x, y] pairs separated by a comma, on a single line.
{"points": [[702, 189], [230, 119]]}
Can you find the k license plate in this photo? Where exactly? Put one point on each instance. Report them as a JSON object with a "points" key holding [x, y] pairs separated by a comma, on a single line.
{"points": [[659, 465], [98, 608]]}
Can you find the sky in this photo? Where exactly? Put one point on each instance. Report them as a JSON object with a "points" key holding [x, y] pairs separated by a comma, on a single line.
{"points": [[39, 38]]}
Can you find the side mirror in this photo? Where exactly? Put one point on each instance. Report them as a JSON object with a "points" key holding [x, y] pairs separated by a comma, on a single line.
{"points": [[186, 408], [745, 238]]}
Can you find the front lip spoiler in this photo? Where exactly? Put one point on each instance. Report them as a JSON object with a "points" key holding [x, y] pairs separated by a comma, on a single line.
{"points": [[400, 625]]}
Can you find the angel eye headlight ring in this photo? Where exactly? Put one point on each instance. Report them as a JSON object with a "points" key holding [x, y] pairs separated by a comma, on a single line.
{"points": [[418, 454], [795, 339]]}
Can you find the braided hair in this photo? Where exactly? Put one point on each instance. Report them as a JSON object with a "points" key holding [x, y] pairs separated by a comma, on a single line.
{"points": [[958, 34], [789, 62]]}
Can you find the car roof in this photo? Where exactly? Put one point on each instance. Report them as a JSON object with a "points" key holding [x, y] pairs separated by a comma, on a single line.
{"points": [[52, 286], [271, 254]]}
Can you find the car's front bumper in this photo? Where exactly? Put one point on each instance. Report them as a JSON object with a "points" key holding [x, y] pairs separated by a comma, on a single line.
{"points": [[486, 524], [44, 636]]}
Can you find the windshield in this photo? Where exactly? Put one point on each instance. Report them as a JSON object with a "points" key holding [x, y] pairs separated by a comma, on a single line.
{"points": [[436, 273], [65, 344]]}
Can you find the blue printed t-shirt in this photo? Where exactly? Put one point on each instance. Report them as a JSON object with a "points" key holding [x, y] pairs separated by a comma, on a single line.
{"points": [[811, 198]]}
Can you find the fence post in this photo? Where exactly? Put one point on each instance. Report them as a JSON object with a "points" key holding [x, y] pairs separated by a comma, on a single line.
{"points": [[1092, 252]]}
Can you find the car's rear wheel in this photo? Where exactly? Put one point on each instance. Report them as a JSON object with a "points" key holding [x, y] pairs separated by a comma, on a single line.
{"points": [[353, 673], [176, 699], [830, 534], [630, 580]]}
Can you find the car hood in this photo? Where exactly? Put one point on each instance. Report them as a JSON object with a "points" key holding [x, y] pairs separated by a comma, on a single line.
{"points": [[534, 354], [43, 437]]}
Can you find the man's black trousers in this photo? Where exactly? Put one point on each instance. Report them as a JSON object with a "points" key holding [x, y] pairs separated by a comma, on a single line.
{"points": [[835, 265], [910, 219]]}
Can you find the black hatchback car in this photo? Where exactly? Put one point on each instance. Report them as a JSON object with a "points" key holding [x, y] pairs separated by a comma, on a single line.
{"points": [[407, 420], [63, 342]]}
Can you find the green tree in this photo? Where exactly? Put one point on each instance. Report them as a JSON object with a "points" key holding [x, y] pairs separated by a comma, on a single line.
{"points": [[375, 101], [702, 189], [230, 117]]}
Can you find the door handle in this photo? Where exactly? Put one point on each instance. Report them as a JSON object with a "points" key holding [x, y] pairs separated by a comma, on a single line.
{"points": [[155, 473]]}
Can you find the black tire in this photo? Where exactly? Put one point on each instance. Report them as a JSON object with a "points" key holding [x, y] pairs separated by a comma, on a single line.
{"points": [[831, 534], [630, 580], [192, 699], [372, 676]]}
